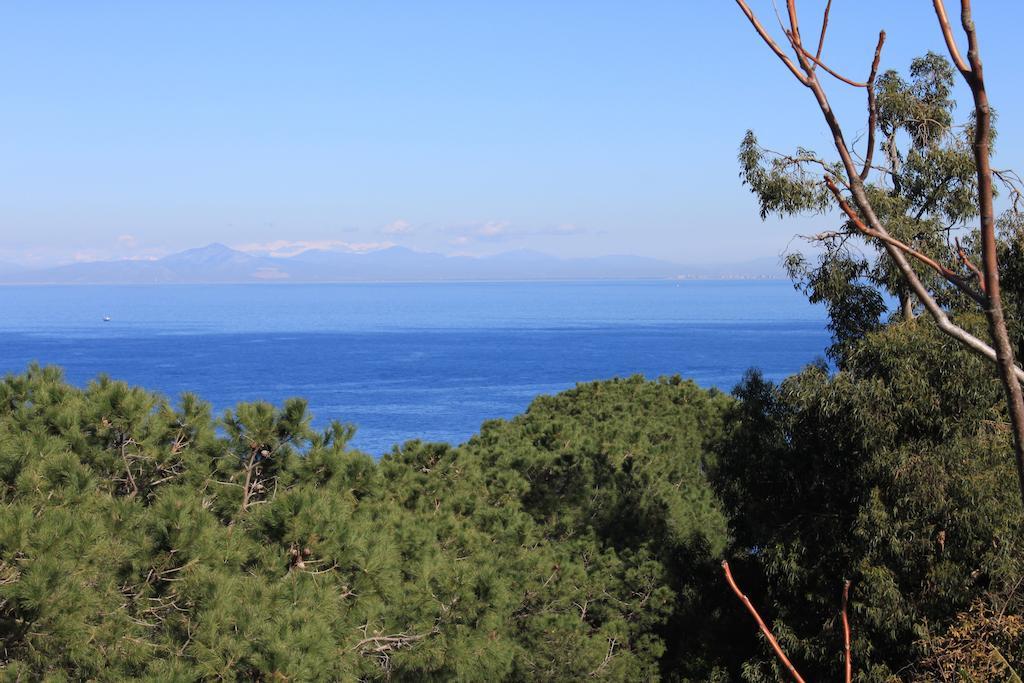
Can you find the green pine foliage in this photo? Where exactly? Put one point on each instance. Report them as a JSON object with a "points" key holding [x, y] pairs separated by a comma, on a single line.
{"points": [[144, 540]]}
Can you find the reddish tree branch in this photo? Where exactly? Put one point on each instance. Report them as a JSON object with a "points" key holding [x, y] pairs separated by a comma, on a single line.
{"points": [[824, 27], [872, 108], [794, 25], [771, 42], [902, 246], [947, 33], [970, 265], [831, 72], [846, 634], [760, 622]]}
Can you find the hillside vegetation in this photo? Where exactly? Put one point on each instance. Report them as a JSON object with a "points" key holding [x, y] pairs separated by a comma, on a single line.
{"points": [[545, 549], [141, 539]]}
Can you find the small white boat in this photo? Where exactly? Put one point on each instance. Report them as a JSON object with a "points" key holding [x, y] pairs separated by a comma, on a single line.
{"points": [[106, 318]]}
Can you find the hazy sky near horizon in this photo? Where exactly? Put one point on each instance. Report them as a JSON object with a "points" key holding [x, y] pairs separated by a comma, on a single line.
{"points": [[575, 128]]}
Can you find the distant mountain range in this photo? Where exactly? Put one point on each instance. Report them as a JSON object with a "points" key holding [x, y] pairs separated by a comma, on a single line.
{"points": [[217, 263]]}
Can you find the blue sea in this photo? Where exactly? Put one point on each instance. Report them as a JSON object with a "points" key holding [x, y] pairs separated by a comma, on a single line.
{"points": [[405, 361]]}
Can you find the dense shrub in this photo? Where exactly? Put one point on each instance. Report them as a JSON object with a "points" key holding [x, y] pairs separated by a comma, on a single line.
{"points": [[895, 473], [142, 540]]}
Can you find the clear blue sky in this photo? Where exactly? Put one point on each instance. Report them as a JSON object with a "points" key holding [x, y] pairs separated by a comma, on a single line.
{"points": [[577, 128]]}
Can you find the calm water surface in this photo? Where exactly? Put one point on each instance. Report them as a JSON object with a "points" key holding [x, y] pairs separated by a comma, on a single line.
{"points": [[403, 361]]}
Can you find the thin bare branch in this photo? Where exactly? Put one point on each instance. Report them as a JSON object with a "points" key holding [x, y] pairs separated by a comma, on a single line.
{"points": [[790, 160], [825, 235], [947, 33], [128, 470], [838, 76], [824, 27], [1013, 184], [382, 643], [847, 659], [970, 265], [771, 42], [899, 258], [872, 107], [794, 25], [760, 622], [612, 644]]}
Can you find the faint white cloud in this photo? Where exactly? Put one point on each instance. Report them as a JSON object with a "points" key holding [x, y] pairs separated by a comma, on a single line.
{"points": [[566, 229], [285, 248], [369, 246], [117, 253], [492, 229], [86, 255], [500, 231], [398, 227], [125, 247]]}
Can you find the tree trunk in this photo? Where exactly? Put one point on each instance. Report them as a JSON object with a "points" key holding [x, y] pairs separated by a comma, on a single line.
{"points": [[1005, 362], [1001, 350]]}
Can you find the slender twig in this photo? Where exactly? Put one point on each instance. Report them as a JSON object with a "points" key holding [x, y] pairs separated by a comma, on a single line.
{"points": [[846, 634], [393, 642], [824, 27], [790, 160], [1012, 182], [824, 66], [771, 42], [872, 107], [128, 468], [970, 265], [612, 643], [760, 622]]}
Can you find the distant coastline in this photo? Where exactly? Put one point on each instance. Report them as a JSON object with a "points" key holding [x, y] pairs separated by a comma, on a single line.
{"points": [[219, 264], [437, 281]]}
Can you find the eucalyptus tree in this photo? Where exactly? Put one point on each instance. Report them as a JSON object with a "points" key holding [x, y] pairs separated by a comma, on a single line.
{"points": [[892, 474], [920, 183], [932, 179]]}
